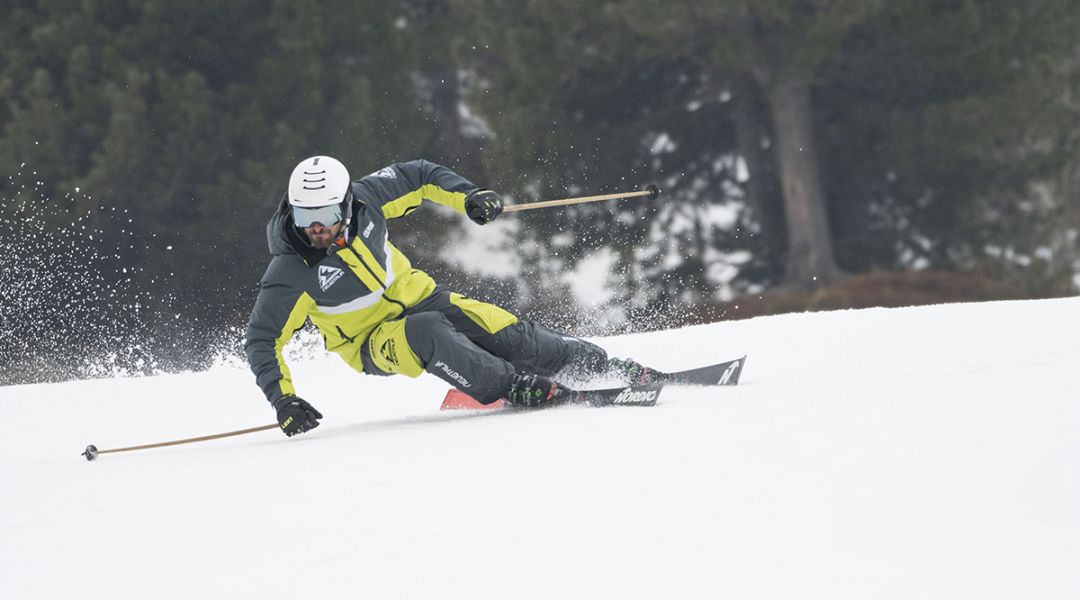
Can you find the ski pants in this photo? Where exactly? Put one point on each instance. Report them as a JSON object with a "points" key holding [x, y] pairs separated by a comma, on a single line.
{"points": [[474, 346]]}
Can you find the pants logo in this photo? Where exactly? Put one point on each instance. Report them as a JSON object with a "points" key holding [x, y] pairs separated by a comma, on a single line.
{"points": [[389, 352], [453, 374]]}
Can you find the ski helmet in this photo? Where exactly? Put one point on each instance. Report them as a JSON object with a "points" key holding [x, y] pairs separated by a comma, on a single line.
{"points": [[319, 191]]}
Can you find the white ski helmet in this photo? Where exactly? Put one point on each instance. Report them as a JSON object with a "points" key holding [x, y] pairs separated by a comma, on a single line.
{"points": [[318, 190]]}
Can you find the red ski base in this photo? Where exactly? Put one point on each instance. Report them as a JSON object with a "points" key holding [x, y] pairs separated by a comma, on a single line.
{"points": [[459, 400]]}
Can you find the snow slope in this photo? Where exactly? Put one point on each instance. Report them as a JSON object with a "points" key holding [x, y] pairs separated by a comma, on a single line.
{"points": [[907, 453]]}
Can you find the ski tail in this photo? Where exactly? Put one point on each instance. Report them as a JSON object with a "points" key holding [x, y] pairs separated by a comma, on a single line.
{"points": [[458, 400]]}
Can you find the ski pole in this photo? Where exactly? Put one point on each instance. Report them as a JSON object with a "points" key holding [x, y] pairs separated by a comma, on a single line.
{"points": [[650, 191], [92, 452]]}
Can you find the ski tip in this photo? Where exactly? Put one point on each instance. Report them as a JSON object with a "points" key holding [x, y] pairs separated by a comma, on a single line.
{"points": [[735, 374]]}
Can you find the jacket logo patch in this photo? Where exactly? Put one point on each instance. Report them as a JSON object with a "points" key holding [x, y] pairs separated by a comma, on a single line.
{"points": [[385, 173], [367, 230], [328, 276]]}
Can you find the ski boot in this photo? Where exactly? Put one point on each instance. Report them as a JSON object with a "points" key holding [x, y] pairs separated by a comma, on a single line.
{"points": [[635, 374], [528, 390]]}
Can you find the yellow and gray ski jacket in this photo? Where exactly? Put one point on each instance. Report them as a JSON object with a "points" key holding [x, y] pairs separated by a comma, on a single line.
{"points": [[347, 290]]}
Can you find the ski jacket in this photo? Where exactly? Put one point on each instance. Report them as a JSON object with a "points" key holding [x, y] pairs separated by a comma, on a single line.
{"points": [[352, 287]]}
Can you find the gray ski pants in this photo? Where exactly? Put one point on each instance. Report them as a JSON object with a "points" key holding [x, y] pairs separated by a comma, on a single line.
{"points": [[452, 341]]}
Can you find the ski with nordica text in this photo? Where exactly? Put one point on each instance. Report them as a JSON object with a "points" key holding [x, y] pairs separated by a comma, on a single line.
{"points": [[632, 395], [724, 373]]}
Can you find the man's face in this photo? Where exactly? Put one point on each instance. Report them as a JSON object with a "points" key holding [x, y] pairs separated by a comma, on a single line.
{"points": [[321, 236]]}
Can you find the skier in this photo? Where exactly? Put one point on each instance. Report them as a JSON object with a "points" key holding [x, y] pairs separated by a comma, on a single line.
{"points": [[334, 264]]}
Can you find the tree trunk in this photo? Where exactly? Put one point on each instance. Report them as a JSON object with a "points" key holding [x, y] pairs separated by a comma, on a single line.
{"points": [[448, 144], [762, 189], [810, 262]]}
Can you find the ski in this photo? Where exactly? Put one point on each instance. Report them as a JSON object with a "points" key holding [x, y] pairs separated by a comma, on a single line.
{"points": [[725, 373], [633, 395]]}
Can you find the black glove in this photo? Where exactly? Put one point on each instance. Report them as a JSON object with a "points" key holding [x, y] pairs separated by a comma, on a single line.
{"points": [[295, 415], [483, 206]]}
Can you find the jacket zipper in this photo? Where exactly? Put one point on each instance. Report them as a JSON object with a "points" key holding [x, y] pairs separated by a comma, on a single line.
{"points": [[382, 284]]}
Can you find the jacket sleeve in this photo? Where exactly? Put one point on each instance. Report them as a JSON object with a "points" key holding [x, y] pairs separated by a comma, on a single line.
{"points": [[279, 312], [419, 180]]}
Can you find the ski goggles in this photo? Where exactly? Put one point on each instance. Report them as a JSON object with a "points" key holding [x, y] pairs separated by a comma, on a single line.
{"points": [[327, 215]]}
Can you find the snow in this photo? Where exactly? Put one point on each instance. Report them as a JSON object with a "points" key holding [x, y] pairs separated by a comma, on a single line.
{"points": [[483, 250], [590, 279], [886, 453]]}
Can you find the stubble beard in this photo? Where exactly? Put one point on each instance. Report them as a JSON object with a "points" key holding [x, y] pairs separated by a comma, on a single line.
{"points": [[325, 237]]}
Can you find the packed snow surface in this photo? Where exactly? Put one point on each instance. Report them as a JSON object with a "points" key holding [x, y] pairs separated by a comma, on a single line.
{"points": [[888, 453]]}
